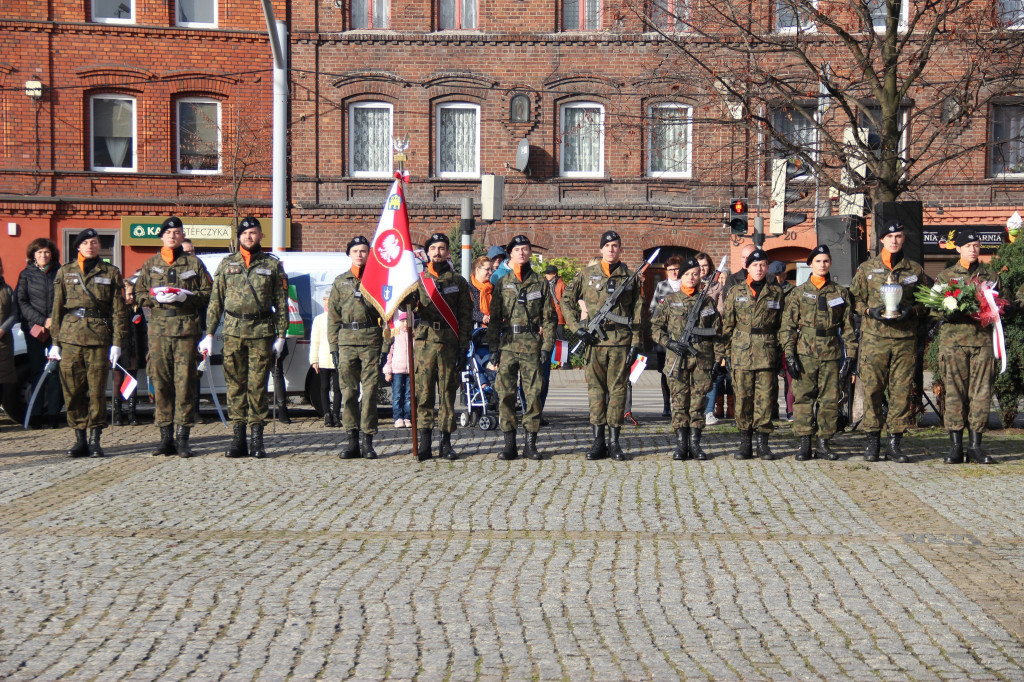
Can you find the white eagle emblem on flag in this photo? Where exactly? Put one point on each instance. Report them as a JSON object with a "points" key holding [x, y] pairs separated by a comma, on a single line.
{"points": [[390, 248]]}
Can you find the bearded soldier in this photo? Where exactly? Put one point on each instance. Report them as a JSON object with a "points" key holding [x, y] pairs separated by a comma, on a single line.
{"points": [[176, 287], [251, 289], [89, 327], [816, 324], [689, 376], [521, 334], [751, 317], [888, 345]]}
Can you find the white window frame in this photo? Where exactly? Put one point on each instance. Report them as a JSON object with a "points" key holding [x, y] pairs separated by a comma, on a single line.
{"points": [[811, 27], [391, 129], [562, 136], [115, 20], [688, 113], [92, 135], [677, 10], [475, 173], [814, 144], [904, 18], [458, 16], [220, 138], [197, 24], [581, 18], [1016, 26], [993, 141], [904, 116]]}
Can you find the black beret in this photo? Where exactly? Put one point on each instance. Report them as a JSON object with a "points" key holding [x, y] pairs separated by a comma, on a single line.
{"points": [[776, 267], [172, 222], [892, 228], [688, 264], [248, 222], [434, 238], [82, 236], [966, 236], [551, 270], [518, 240], [358, 240], [755, 256], [817, 251], [610, 236]]}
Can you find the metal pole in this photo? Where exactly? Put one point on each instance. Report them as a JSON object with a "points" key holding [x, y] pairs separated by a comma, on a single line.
{"points": [[280, 162], [466, 227]]}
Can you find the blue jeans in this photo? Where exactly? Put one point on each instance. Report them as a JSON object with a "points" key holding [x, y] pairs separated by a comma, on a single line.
{"points": [[716, 386], [401, 408]]}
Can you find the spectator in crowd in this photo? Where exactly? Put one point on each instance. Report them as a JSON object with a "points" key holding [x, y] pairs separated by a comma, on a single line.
{"points": [[8, 318], [323, 364], [133, 355], [777, 272], [499, 263], [481, 290], [557, 288], [35, 303], [396, 370], [664, 288]]}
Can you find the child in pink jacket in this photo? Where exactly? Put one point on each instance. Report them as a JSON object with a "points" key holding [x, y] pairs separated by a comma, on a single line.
{"points": [[396, 370]]}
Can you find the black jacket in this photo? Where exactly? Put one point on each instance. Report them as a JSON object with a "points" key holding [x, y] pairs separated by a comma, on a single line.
{"points": [[35, 295]]}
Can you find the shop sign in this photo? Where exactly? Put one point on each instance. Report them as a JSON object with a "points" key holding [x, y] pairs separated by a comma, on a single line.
{"points": [[942, 241], [206, 232]]}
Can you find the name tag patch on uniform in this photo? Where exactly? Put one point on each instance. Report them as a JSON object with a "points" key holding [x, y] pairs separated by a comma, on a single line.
{"points": [[813, 297], [510, 286], [910, 280], [534, 295], [878, 270], [833, 302], [774, 305], [157, 270], [235, 270], [741, 299], [452, 289], [264, 271], [102, 280], [188, 273], [676, 305], [707, 312]]}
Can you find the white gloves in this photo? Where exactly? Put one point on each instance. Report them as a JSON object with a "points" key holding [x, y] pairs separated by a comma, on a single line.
{"points": [[115, 354], [162, 295], [166, 297], [206, 345], [54, 353], [278, 347]]}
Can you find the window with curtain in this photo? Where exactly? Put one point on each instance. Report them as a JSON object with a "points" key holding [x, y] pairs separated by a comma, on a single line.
{"points": [[582, 140], [796, 126], [668, 15], [669, 151], [369, 139], [1011, 13], [581, 15], [458, 140], [113, 133], [198, 136], [458, 14], [113, 11], [1008, 139], [879, 10], [369, 14], [793, 16], [196, 13]]}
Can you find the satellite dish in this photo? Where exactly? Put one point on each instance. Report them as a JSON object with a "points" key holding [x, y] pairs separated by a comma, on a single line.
{"points": [[522, 155]]}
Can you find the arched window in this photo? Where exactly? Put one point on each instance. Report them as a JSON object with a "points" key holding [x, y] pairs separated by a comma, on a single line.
{"points": [[369, 139], [458, 140], [113, 133], [199, 136]]}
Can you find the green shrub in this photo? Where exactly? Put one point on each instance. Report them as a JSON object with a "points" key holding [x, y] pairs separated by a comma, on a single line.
{"points": [[1009, 386]]}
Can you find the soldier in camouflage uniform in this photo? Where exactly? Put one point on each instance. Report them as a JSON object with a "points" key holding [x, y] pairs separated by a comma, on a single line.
{"points": [[609, 359], [439, 349], [751, 317], [355, 334], [251, 288], [966, 360], [89, 327], [174, 331], [817, 323], [888, 346], [689, 376], [521, 334]]}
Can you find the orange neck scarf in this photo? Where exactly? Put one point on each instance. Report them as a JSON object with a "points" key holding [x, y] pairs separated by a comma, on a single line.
{"points": [[818, 282], [486, 290], [517, 270], [167, 254], [81, 262], [607, 268], [750, 285], [965, 265], [246, 256], [887, 259], [689, 291], [431, 270], [355, 271]]}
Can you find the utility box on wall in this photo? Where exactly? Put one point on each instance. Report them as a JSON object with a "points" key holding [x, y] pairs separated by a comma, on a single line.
{"points": [[492, 197]]}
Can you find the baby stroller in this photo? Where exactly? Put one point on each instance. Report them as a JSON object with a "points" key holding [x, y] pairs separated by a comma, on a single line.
{"points": [[478, 385]]}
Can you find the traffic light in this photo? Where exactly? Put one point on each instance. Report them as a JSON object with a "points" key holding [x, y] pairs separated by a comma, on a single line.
{"points": [[738, 215]]}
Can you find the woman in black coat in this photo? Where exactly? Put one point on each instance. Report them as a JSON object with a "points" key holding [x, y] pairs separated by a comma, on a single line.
{"points": [[35, 305]]}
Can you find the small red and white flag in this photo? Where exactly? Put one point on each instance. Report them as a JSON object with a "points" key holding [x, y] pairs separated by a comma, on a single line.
{"points": [[129, 384], [390, 272], [560, 353], [639, 365]]}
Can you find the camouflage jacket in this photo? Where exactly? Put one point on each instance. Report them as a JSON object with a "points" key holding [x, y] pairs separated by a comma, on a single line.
{"points": [[523, 318], [814, 320], [175, 319], [750, 326], [96, 318], [670, 317], [430, 325], [962, 330], [865, 289], [253, 299], [592, 286], [351, 318]]}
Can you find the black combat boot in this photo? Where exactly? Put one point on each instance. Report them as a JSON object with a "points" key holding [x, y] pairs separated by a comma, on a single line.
{"points": [[94, 443], [444, 448], [166, 446], [871, 451], [598, 449], [256, 441], [974, 450], [896, 453], [509, 451], [181, 441], [804, 453], [133, 402], [614, 449], [366, 446], [81, 447], [239, 448], [282, 413], [696, 451], [530, 449], [682, 450], [115, 409], [956, 448], [763, 451], [423, 437], [352, 451], [746, 450], [823, 449], [328, 419]]}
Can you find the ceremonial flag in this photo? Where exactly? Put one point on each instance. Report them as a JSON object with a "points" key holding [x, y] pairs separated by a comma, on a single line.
{"points": [[390, 272], [129, 384], [639, 365], [295, 325], [560, 353]]}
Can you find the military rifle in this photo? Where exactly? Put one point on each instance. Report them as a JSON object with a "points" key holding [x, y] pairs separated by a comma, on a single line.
{"points": [[685, 342]]}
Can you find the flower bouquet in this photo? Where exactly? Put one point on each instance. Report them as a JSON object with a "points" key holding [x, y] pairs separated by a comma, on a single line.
{"points": [[955, 296]]}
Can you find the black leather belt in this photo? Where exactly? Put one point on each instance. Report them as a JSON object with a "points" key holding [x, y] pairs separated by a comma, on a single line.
{"points": [[252, 317], [436, 326], [760, 330], [615, 325], [355, 326], [523, 328], [85, 312], [818, 331]]}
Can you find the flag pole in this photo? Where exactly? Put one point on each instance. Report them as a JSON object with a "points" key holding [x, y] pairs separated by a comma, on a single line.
{"points": [[412, 378]]}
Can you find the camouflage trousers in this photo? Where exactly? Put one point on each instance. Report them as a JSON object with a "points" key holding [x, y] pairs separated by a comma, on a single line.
{"points": [[887, 364], [437, 376], [246, 368], [688, 385], [513, 365], [819, 382], [606, 384], [755, 390], [83, 375], [171, 368], [967, 374], [358, 369]]}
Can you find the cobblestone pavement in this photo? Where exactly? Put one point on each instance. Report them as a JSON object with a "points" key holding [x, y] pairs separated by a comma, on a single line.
{"points": [[307, 566]]}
